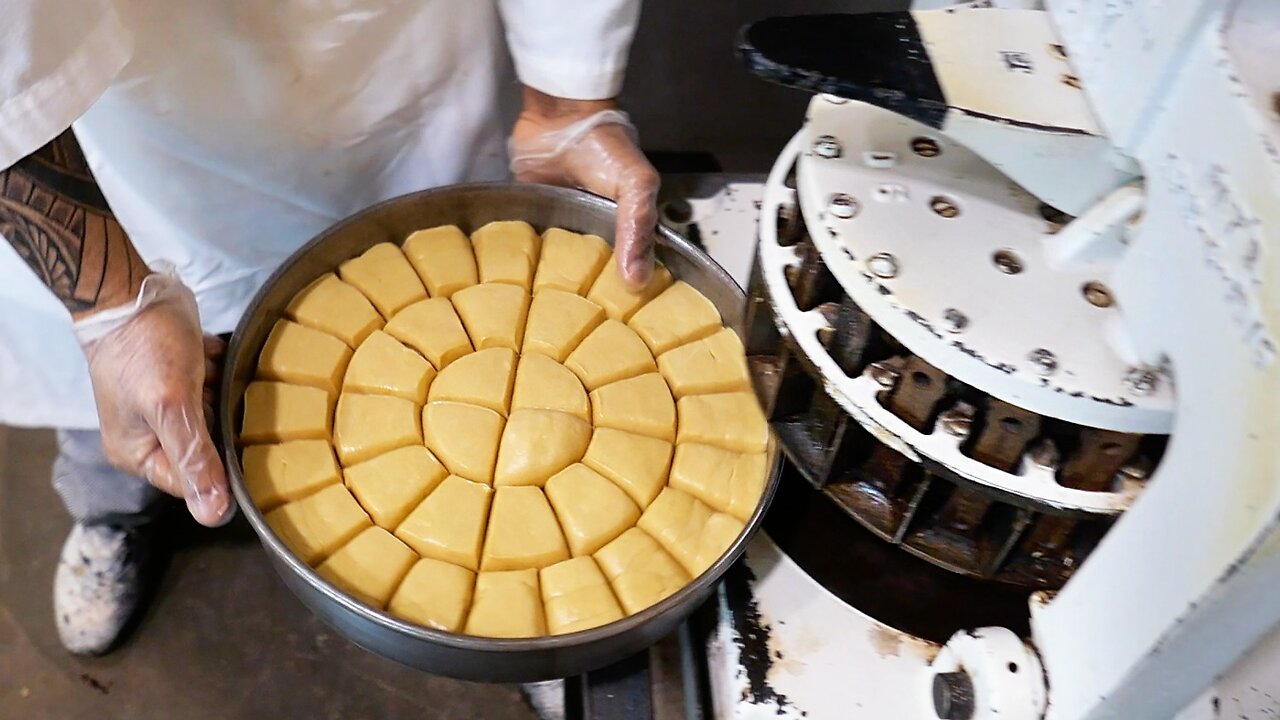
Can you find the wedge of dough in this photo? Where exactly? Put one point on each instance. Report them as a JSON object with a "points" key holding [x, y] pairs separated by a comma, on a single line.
{"points": [[494, 314], [433, 329], [537, 444], [731, 420], [334, 307], [619, 302], [693, 533], [464, 437], [592, 510], [507, 605], [714, 364], [640, 571], [369, 425], [390, 485], [636, 463], [641, 405], [544, 384], [679, 315], [302, 355], [383, 366], [558, 321], [279, 412], [570, 262], [385, 277], [284, 472], [576, 596], [443, 258], [612, 352], [317, 525], [482, 378], [507, 252], [370, 567], [449, 525], [434, 594], [728, 481], [522, 531]]}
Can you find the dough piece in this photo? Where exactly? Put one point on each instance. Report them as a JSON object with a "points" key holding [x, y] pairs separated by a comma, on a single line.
{"points": [[317, 525], [610, 353], [278, 412], [494, 314], [537, 444], [443, 258], [686, 528], [576, 596], [730, 420], [507, 605], [390, 485], [640, 404], [507, 252], [636, 463], [523, 532], [640, 571], [369, 425], [275, 474], [434, 594], [620, 303], [449, 524], [384, 275], [382, 366], [369, 567], [464, 437], [728, 481], [714, 364], [433, 329], [482, 378], [544, 384], [301, 355], [679, 315], [334, 307], [592, 510], [558, 321], [570, 262]]}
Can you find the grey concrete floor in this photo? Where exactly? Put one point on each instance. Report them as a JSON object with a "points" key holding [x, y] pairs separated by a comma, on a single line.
{"points": [[223, 638]]}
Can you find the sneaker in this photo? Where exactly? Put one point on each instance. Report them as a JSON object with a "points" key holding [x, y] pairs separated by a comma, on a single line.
{"points": [[97, 586]]}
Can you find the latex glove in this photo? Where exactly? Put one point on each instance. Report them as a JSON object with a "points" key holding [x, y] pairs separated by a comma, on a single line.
{"points": [[598, 153], [148, 362]]}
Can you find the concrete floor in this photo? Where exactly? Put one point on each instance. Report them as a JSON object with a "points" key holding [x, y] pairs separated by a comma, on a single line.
{"points": [[223, 637]]}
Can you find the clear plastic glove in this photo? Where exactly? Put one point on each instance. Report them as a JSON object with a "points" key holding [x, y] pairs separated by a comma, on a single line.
{"points": [[149, 362], [597, 153]]}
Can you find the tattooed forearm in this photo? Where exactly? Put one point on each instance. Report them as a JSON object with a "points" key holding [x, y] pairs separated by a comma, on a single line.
{"points": [[54, 215]]}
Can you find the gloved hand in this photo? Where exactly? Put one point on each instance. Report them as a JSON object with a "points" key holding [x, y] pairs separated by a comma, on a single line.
{"points": [[148, 362], [597, 152]]}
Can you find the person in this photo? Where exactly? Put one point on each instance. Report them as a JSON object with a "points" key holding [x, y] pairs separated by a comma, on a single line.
{"points": [[163, 158]]}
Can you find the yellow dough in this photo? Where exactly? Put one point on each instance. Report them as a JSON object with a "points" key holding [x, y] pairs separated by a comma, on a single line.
{"points": [[612, 294], [537, 444], [390, 485], [317, 525], [369, 567], [464, 437], [275, 474], [522, 531], [610, 353], [369, 425], [277, 412], [494, 314], [433, 329], [334, 307], [728, 481], [506, 252], [449, 524], [640, 404], [679, 315], [729, 420], [636, 463], [714, 364], [544, 384], [640, 571], [558, 321], [385, 277], [576, 596], [382, 366], [482, 378], [507, 605], [443, 258], [434, 594], [301, 355], [688, 529], [592, 510], [570, 262]]}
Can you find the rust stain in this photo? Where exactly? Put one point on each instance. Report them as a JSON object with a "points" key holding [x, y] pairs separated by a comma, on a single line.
{"points": [[886, 642]]}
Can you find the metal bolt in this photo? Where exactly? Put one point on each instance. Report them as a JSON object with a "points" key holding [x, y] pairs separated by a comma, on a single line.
{"points": [[828, 147], [1045, 361], [957, 420], [1137, 470], [953, 695], [925, 146], [879, 159], [1007, 262], [1058, 51], [883, 266], [1046, 455], [1141, 380], [944, 206], [1071, 81], [885, 376], [954, 320], [842, 206], [1097, 294]]}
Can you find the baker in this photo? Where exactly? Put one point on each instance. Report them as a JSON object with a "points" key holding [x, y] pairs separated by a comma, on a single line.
{"points": [[163, 158]]}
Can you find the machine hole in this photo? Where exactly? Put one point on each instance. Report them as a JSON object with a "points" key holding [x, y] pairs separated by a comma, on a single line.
{"points": [[1010, 424], [1097, 294], [925, 146], [921, 379], [1111, 448], [1007, 262], [1013, 667], [1071, 81], [944, 206]]}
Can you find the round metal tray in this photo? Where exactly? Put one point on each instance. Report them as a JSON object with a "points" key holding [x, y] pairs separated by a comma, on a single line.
{"points": [[465, 656]]}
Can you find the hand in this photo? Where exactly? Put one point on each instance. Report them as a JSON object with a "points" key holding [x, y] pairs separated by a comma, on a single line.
{"points": [[548, 146]]}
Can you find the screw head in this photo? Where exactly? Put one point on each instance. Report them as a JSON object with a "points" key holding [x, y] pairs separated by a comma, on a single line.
{"points": [[842, 206], [1045, 361], [957, 420], [883, 266], [925, 146], [828, 146], [1142, 380], [954, 320], [1007, 262], [944, 206], [885, 376], [1097, 294]]}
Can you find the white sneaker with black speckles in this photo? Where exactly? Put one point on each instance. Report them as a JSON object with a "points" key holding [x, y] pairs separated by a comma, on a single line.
{"points": [[96, 588]]}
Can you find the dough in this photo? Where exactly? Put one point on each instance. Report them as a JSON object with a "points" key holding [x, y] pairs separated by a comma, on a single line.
{"points": [[369, 567], [714, 364], [679, 315], [619, 303], [558, 321], [640, 571], [610, 353], [494, 314], [332, 306], [443, 258], [275, 474], [570, 261], [576, 596], [390, 485], [507, 605], [592, 510], [544, 384], [434, 594], [433, 329], [507, 252], [718, 534], [449, 524], [382, 366], [464, 437], [728, 481], [482, 378], [303, 356], [640, 404], [277, 412], [522, 531], [729, 420], [369, 425], [687, 528], [317, 525], [385, 277], [636, 463], [537, 444]]}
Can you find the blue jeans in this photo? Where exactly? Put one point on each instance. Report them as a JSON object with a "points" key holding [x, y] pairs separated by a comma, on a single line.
{"points": [[94, 492]]}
